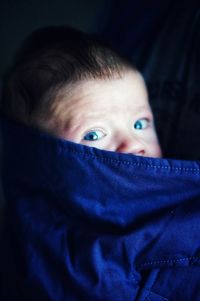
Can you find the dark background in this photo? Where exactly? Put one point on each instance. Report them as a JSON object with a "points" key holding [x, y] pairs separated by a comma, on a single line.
{"points": [[20, 17]]}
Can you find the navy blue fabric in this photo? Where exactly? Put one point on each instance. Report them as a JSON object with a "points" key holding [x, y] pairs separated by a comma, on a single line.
{"points": [[89, 224]]}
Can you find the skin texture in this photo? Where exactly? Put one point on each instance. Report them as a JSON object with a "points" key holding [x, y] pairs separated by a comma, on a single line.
{"points": [[114, 114]]}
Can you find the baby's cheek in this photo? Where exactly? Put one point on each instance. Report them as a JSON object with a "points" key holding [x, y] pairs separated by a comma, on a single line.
{"points": [[157, 152], [153, 148], [156, 149]]}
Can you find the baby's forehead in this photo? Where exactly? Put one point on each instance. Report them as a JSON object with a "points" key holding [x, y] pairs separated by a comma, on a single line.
{"points": [[107, 95]]}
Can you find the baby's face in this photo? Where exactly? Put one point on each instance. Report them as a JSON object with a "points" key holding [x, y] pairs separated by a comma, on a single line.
{"points": [[111, 114]]}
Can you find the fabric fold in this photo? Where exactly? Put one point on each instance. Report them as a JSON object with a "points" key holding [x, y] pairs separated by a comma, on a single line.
{"points": [[84, 223]]}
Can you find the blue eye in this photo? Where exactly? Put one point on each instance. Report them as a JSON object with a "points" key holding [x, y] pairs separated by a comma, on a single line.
{"points": [[94, 135], [141, 124]]}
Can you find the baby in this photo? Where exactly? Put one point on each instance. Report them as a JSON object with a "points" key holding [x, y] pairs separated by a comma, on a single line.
{"points": [[71, 85]]}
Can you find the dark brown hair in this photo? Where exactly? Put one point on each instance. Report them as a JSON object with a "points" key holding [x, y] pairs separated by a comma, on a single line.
{"points": [[50, 59]]}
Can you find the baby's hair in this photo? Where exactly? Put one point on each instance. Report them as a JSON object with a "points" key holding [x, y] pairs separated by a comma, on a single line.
{"points": [[49, 60]]}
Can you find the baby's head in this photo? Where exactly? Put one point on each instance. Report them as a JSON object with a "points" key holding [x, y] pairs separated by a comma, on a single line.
{"points": [[71, 85]]}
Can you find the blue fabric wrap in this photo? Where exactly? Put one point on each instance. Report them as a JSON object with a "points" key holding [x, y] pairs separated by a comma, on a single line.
{"points": [[89, 224]]}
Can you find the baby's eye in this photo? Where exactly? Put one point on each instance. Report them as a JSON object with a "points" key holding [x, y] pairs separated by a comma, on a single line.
{"points": [[94, 135], [141, 124]]}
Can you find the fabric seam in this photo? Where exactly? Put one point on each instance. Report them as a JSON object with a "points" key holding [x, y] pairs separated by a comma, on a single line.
{"points": [[169, 261], [126, 162]]}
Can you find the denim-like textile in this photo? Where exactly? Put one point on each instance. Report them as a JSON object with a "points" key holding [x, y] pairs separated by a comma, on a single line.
{"points": [[83, 224]]}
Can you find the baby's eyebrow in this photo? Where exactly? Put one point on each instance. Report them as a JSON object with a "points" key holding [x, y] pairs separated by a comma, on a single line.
{"points": [[143, 108]]}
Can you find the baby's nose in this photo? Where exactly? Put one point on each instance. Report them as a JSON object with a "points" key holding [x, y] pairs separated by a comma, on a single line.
{"points": [[131, 145]]}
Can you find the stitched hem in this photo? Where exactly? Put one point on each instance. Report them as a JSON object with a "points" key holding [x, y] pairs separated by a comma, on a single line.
{"points": [[170, 261], [131, 163]]}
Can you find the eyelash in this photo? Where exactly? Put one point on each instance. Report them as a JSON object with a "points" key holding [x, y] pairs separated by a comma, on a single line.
{"points": [[140, 120], [92, 131]]}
